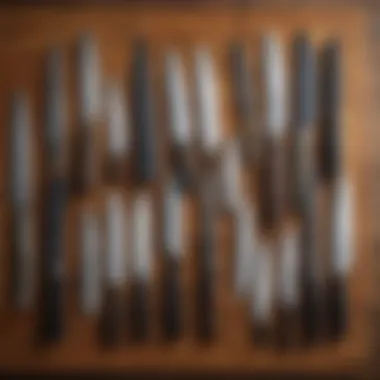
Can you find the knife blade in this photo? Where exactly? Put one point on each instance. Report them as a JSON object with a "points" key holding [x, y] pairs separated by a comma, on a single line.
{"points": [[118, 132], [178, 102], [144, 114], [23, 199], [87, 164], [242, 86]]}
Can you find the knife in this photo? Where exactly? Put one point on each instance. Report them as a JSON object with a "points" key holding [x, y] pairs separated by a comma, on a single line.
{"points": [[205, 272], [304, 172], [179, 119], [52, 316], [272, 166], [242, 86], [340, 198], [173, 254], [142, 250], [208, 106], [91, 254], [144, 116], [115, 269], [118, 139], [23, 198], [87, 164]]}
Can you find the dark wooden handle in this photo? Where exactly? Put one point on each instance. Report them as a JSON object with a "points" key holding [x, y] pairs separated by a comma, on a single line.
{"points": [[139, 311], [52, 317], [112, 317], [172, 311], [337, 307]]}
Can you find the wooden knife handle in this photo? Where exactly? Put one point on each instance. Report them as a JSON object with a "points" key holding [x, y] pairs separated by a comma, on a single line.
{"points": [[139, 309], [52, 317], [337, 307], [172, 311]]}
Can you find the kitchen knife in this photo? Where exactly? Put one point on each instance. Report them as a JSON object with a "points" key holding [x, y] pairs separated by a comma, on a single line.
{"points": [[272, 166]]}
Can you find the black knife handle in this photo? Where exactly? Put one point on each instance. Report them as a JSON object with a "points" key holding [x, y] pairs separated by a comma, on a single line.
{"points": [[112, 316], [172, 312], [311, 312], [337, 308], [287, 333], [143, 114], [139, 308], [330, 156], [305, 81], [205, 321], [52, 317], [183, 168]]}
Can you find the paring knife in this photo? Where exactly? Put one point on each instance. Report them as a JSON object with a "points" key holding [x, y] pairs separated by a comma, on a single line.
{"points": [[173, 253], [205, 281], [179, 118], [272, 166], [208, 104], [333, 175], [144, 116], [115, 269], [91, 238], [263, 293], [142, 251], [52, 316], [304, 173], [288, 292], [90, 114], [118, 132], [23, 197], [243, 93]]}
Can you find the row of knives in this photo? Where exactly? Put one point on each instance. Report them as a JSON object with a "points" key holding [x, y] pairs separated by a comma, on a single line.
{"points": [[265, 177]]}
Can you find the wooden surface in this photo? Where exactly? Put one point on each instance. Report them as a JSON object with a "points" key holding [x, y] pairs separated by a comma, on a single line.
{"points": [[25, 36]]}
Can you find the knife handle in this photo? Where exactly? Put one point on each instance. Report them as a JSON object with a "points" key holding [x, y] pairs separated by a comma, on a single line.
{"points": [[287, 326], [183, 169], [311, 312], [272, 186], [337, 307], [172, 296], [139, 308], [112, 316], [262, 334], [52, 317], [205, 294]]}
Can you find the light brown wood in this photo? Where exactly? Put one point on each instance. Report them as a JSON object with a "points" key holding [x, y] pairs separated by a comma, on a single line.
{"points": [[26, 34]]}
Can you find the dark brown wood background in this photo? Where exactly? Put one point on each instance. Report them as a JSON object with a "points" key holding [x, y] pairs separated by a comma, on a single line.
{"points": [[25, 36]]}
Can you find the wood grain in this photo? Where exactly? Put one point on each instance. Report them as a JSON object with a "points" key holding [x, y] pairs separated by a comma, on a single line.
{"points": [[25, 36]]}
